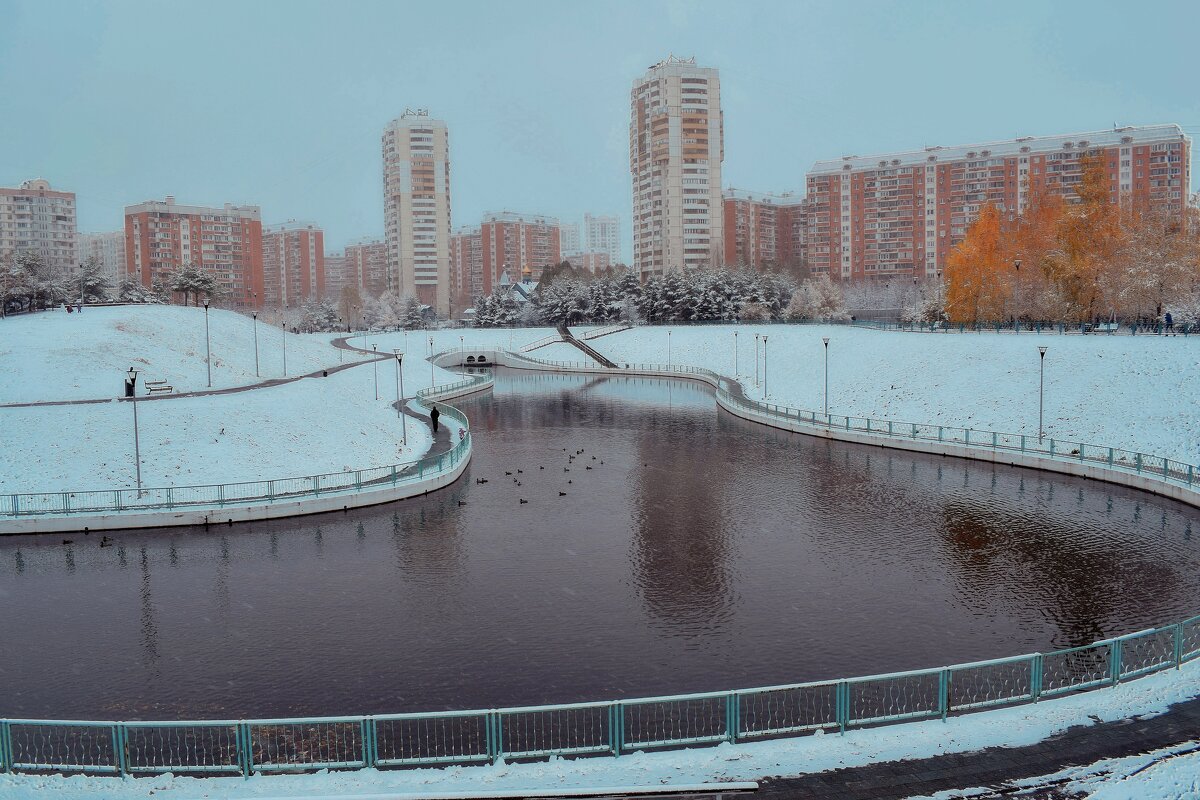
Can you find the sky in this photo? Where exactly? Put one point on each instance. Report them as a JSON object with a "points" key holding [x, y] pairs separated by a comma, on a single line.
{"points": [[282, 104]]}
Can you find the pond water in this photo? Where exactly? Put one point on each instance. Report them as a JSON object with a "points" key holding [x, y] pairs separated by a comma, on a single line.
{"points": [[699, 552]]}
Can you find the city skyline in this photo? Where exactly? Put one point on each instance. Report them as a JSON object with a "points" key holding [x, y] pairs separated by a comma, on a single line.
{"points": [[789, 99]]}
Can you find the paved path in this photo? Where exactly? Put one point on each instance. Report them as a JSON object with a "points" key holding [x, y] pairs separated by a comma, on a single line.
{"points": [[320, 373], [996, 767]]}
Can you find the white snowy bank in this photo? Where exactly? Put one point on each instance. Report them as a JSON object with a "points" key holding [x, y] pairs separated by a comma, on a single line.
{"points": [[1012, 727], [54, 355], [1138, 393]]}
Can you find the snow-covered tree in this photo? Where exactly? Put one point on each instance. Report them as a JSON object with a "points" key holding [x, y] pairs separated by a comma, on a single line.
{"points": [[928, 305], [817, 299], [131, 290]]}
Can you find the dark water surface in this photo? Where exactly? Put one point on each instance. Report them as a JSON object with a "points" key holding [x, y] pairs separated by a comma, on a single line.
{"points": [[704, 553]]}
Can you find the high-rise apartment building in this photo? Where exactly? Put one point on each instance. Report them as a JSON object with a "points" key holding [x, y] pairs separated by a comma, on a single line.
{"points": [[466, 265], [38, 219], [162, 237], [503, 241], [366, 266], [902, 213], [293, 264], [416, 193], [109, 251], [602, 234], [569, 240], [335, 275], [593, 262], [763, 230], [676, 146]]}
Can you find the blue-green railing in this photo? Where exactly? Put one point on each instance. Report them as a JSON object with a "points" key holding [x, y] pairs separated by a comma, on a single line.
{"points": [[613, 728], [1176, 473], [108, 501]]}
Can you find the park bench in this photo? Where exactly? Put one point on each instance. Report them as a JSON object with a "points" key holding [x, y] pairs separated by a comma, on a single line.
{"points": [[156, 387]]}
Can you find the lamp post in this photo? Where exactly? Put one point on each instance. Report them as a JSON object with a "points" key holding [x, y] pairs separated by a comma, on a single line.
{"points": [[81, 288], [131, 389], [1041, 389], [375, 363], [735, 372], [668, 348], [756, 337], [400, 395], [432, 380], [207, 345], [764, 385], [285, 347], [825, 339], [255, 314], [462, 351]]}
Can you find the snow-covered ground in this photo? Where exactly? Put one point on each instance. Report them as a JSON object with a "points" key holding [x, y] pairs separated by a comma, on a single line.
{"points": [[1013, 727], [1170, 773], [1133, 392], [306, 427], [54, 355]]}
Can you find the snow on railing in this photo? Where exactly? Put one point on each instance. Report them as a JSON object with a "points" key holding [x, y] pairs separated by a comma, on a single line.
{"points": [[609, 727], [169, 498], [617, 727]]}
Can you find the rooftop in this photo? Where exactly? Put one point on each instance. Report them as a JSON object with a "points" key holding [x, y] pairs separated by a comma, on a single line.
{"points": [[1010, 147]]}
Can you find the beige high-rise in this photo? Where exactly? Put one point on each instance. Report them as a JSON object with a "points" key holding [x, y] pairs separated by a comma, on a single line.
{"points": [[676, 146], [416, 195]]}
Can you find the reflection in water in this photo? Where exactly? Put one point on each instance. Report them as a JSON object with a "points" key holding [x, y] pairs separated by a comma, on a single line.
{"points": [[698, 552]]}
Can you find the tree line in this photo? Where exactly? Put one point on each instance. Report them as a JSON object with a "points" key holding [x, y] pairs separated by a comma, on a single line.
{"points": [[1084, 261]]}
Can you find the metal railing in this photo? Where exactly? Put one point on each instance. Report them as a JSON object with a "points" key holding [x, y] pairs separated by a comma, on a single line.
{"points": [[613, 727], [1176, 473], [223, 495]]}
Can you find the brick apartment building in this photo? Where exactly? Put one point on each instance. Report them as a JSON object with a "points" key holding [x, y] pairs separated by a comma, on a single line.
{"points": [[901, 214], [293, 264], [365, 266], [764, 230], [503, 240], [162, 237]]}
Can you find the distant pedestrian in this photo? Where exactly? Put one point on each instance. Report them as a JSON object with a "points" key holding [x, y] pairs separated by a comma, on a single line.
{"points": [[433, 417], [1170, 322]]}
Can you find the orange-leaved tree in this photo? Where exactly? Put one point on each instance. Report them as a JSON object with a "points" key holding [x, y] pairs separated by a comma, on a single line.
{"points": [[978, 271], [1089, 237]]}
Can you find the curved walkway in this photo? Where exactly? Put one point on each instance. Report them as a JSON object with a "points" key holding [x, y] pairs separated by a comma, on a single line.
{"points": [[320, 373]]}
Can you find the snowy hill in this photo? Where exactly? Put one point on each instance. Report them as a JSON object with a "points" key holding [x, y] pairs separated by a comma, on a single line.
{"points": [[59, 356]]}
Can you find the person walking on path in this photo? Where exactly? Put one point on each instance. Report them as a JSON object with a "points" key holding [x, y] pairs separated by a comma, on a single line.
{"points": [[433, 417], [1170, 323]]}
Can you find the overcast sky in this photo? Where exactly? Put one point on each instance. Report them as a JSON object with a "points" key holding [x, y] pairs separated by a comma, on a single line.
{"points": [[281, 104]]}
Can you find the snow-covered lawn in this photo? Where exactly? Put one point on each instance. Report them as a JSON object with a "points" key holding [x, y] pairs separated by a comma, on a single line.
{"points": [[54, 355], [306, 427], [1013, 727], [1139, 393]]}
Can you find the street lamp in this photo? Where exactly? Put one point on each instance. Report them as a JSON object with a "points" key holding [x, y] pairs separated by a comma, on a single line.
{"points": [[764, 385], [756, 338], [81, 288], [668, 348], [400, 395], [462, 351], [131, 392], [207, 345], [375, 348], [285, 346], [1041, 389], [735, 372], [255, 315], [432, 380], [825, 339]]}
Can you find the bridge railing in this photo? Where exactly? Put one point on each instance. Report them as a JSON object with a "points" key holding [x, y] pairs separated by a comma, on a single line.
{"points": [[612, 727]]}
